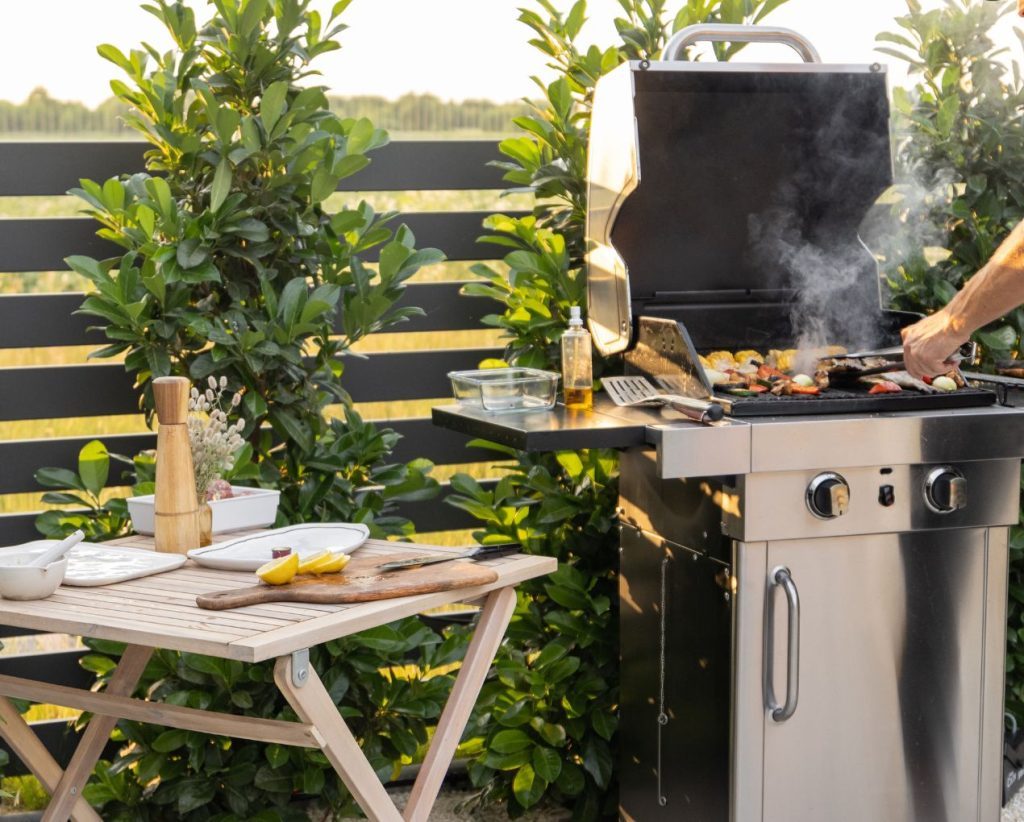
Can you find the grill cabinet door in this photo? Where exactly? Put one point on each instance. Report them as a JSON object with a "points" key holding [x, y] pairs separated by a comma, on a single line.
{"points": [[890, 678]]}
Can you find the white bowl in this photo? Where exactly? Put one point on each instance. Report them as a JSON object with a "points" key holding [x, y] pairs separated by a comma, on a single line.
{"points": [[251, 508], [18, 581]]}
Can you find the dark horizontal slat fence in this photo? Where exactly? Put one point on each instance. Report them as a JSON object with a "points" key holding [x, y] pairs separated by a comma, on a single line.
{"points": [[41, 244], [59, 391], [76, 391], [45, 320]]}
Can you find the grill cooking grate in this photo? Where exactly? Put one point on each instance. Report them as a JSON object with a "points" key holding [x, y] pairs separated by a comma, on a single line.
{"points": [[839, 401]]}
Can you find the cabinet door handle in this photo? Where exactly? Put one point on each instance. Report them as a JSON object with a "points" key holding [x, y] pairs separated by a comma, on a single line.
{"points": [[783, 578]]}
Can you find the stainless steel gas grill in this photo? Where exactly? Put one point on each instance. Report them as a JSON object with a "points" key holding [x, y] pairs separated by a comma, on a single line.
{"points": [[813, 591]]}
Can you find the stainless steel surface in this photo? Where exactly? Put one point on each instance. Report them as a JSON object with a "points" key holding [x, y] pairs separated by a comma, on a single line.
{"points": [[613, 173], [746, 778], [900, 649], [726, 33], [665, 354], [842, 441], [945, 500], [890, 681], [837, 496], [783, 578], [701, 450], [634, 392], [994, 675], [770, 505], [604, 427], [839, 441]]}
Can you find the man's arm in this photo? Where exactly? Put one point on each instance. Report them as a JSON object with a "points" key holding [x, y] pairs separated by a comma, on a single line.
{"points": [[994, 291]]}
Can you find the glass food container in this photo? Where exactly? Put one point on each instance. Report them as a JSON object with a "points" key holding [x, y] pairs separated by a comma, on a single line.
{"points": [[505, 390]]}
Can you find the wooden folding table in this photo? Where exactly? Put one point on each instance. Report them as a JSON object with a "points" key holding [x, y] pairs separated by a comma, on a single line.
{"points": [[160, 612]]}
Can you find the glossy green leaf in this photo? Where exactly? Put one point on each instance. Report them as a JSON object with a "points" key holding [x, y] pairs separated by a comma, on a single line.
{"points": [[94, 466]]}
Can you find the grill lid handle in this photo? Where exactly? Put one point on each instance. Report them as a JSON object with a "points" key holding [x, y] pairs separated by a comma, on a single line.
{"points": [[733, 33]]}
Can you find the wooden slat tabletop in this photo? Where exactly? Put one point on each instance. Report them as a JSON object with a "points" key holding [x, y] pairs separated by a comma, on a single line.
{"points": [[160, 610]]}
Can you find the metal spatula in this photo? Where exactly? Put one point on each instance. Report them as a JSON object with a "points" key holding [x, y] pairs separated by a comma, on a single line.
{"points": [[630, 392]]}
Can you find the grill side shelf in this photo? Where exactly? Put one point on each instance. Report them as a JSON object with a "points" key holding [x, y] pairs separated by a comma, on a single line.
{"points": [[555, 430]]}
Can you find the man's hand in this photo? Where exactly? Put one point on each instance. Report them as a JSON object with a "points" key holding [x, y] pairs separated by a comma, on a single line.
{"points": [[928, 344]]}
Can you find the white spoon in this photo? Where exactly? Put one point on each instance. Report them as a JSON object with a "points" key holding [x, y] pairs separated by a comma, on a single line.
{"points": [[57, 551]]}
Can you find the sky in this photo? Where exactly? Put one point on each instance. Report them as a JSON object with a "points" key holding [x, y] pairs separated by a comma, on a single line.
{"points": [[456, 49]]}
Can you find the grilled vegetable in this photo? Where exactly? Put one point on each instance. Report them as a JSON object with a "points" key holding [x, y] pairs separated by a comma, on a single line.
{"points": [[944, 384], [805, 389], [721, 360], [804, 380], [885, 387]]}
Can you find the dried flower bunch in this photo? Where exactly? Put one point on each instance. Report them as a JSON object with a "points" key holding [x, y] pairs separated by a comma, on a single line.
{"points": [[214, 440]]}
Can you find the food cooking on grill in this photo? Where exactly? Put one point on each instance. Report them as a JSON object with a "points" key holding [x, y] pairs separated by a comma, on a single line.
{"points": [[748, 373]]}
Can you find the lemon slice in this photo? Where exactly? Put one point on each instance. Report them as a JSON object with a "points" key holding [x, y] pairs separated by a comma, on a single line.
{"points": [[333, 564], [279, 571], [306, 565]]}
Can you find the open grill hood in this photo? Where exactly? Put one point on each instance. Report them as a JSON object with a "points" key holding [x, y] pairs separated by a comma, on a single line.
{"points": [[717, 189]]}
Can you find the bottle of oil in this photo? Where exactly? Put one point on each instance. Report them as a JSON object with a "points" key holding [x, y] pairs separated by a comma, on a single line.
{"points": [[577, 368]]}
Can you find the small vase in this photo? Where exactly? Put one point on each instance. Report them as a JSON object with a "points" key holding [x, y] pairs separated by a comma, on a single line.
{"points": [[205, 524]]}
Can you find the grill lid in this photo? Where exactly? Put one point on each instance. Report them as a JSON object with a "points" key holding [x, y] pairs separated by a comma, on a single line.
{"points": [[724, 186]]}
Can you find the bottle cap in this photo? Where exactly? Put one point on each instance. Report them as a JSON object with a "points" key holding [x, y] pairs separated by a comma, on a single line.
{"points": [[575, 321]]}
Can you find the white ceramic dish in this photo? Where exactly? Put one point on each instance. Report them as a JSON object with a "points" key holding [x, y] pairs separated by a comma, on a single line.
{"points": [[249, 553], [90, 564], [250, 508], [18, 581]]}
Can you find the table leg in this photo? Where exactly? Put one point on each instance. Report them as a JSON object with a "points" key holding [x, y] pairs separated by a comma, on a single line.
{"points": [[315, 707], [490, 630], [95, 737], [23, 741]]}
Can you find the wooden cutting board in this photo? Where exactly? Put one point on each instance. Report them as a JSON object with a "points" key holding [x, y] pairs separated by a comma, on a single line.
{"points": [[361, 581]]}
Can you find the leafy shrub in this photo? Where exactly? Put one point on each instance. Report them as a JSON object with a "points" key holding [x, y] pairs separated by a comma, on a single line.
{"points": [[98, 519], [549, 720], [549, 716], [961, 147], [960, 136], [233, 267]]}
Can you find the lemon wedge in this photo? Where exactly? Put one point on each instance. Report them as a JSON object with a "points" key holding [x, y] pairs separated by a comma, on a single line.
{"points": [[333, 564], [306, 566], [279, 571]]}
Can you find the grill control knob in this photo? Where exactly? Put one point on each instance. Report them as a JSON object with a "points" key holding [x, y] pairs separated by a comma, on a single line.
{"points": [[828, 496], [945, 490]]}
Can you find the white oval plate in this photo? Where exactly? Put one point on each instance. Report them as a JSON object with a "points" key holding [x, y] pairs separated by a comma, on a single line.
{"points": [[91, 564], [249, 553]]}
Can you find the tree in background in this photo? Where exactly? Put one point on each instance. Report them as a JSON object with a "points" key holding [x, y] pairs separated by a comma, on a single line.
{"points": [[549, 719], [960, 169]]}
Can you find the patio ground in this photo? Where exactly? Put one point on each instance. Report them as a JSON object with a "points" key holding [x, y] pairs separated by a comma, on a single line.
{"points": [[1014, 812]]}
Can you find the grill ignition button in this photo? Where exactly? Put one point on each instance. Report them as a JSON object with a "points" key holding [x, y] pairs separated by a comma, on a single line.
{"points": [[828, 496], [886, 496]]}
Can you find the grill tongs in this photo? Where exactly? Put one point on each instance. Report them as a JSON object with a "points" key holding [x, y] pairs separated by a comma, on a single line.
{"points": [[845, 365]]}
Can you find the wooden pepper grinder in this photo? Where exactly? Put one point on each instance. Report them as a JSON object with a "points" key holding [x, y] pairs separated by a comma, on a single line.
{"points": [[176, 506]]}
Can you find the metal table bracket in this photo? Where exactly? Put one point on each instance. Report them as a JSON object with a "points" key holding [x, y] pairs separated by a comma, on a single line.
{"points": [[300, 667]]}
